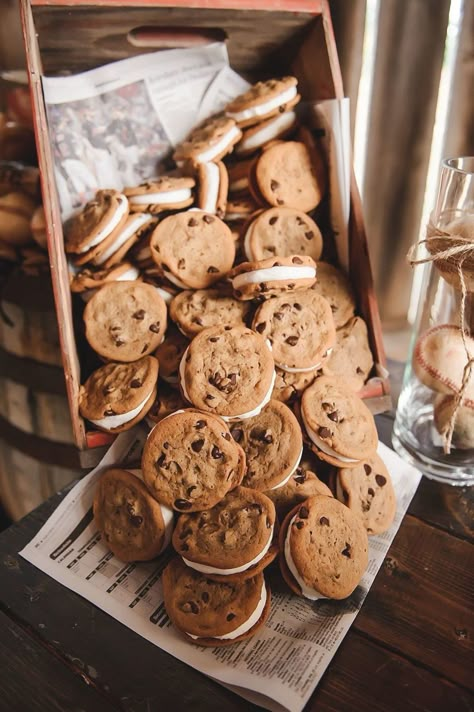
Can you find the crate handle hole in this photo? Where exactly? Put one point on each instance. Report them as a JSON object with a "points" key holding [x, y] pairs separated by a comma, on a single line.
{"points": [[174, 37]]}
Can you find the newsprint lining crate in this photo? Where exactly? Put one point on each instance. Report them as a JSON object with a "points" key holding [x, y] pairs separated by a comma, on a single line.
{"points": [[266, 38]]}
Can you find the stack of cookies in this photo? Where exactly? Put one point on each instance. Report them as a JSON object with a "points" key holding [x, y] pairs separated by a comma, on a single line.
{"points": [[212, 315]]}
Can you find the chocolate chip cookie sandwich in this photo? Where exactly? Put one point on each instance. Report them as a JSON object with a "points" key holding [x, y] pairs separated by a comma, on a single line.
{"points": [[212, 613], [184, 247], [190, 461], [289, 386], [118, 395], [273, 446], [232, 541], [169, 354], [124, 237], [209, 142], [339, 426], [300, 329], [367, 490], [92, 230], [125, 321], [323, 549], [88, 278], [272, 276], [351, 358], [228, 372], [302, 484], [334, 286], [257, 137], [282, 232], [134, 525], [164, 193], [213, 182], [263, 100]]}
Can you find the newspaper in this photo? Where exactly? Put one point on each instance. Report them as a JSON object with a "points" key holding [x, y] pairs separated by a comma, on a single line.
{"points": [[116, 125], [280, 666]]}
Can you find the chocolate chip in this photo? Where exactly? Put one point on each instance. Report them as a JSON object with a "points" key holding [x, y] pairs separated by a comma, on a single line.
{"points": [[119, 341], [380, 480], [278, 316], [182, 504], [237, 434], [208, 219], [261, 327], [197, 320], [194, 607], [280, 201], [274, 185], [213, 339], [277, 264], [200, 424], [145, 348], [347, 551], [209, 396], [140, 314], [263, 287], [136, 521], [291, 285], [292, 340], [212, 270], [165, 268], [334, 416], [161, 460], [300, 221], [197, 445], [181, 263], [166, 445], [324, 432], [303, 513], [300, 476], [297, 261], [230, 616], [216, 454], [327, 406], [371, 492], [108, 389], [226, 436], [233, 378], [192, 222], [273, 220], [109, 411], [155, 328], [136, 383], [299, 525], [184, 547], [359, 370], [297, 306], [205, 596], [267, 437], [324, 521], [309, 235]]}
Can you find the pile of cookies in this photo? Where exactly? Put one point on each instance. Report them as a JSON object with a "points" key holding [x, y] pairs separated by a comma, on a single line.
{"points": [[220, 325]]}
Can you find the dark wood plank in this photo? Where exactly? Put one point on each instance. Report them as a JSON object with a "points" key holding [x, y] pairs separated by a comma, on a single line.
{"points": [[33, 679], [450, 508], [363, 676], [420, 604]]}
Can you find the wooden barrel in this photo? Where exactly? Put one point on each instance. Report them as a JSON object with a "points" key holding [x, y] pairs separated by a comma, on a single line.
{"points": [[37, 454]]}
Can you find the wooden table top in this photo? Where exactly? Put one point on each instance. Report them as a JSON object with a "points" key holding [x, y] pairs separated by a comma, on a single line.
{"points": [[410, 647]]}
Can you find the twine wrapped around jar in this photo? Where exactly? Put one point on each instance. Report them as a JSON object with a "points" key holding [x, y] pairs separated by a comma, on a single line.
{"points": [[453, 255]]}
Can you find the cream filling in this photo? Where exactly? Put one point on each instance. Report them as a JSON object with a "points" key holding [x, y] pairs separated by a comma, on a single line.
{"points": [[247, 238], [265, 107], [307, 591], [129, 276], [219, 147], [283, 482], [175, 280], [114, 421], [290, 369], [322, 445], [229, 217], [249, 623], [212, 177], [111, 224], [267, 133], [172, 380], [129, 230], [166, 513], [273, 274], [166, 296], [144, 254], [238, 185], [165, 196], [227, 418], [203, 568]]}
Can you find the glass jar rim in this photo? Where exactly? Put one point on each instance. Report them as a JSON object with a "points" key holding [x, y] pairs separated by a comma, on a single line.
{"points": [[460, 164]]}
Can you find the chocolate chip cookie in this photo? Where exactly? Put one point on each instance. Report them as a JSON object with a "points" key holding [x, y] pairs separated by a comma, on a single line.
{"points": [[351, 358], [281, 232], [301, 485], [200, 309]]}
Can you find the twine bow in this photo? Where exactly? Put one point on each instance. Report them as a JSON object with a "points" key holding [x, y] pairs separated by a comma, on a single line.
{"points": [[458, 251]]}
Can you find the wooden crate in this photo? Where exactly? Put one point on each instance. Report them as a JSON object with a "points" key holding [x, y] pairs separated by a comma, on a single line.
{"points": [[265, 38]]}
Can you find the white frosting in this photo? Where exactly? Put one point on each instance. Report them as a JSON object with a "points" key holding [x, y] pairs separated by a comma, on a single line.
{"points": [[248, 235], [217, 148], [283, 482], [165, 295], [305, 590], [111, 224], [114, 421], [264, 107], [227, 418], [166, 513], [238, 569], [230, 217], [176, 280], [273, 274], [130, 229], [290, 369], [166, 196], [213, 180], [129, 276], [267, 133], [322, 445], [249, 623]]}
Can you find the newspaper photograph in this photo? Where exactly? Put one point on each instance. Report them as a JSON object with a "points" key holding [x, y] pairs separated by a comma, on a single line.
{"points": [[116, 125], [281, 665]]}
